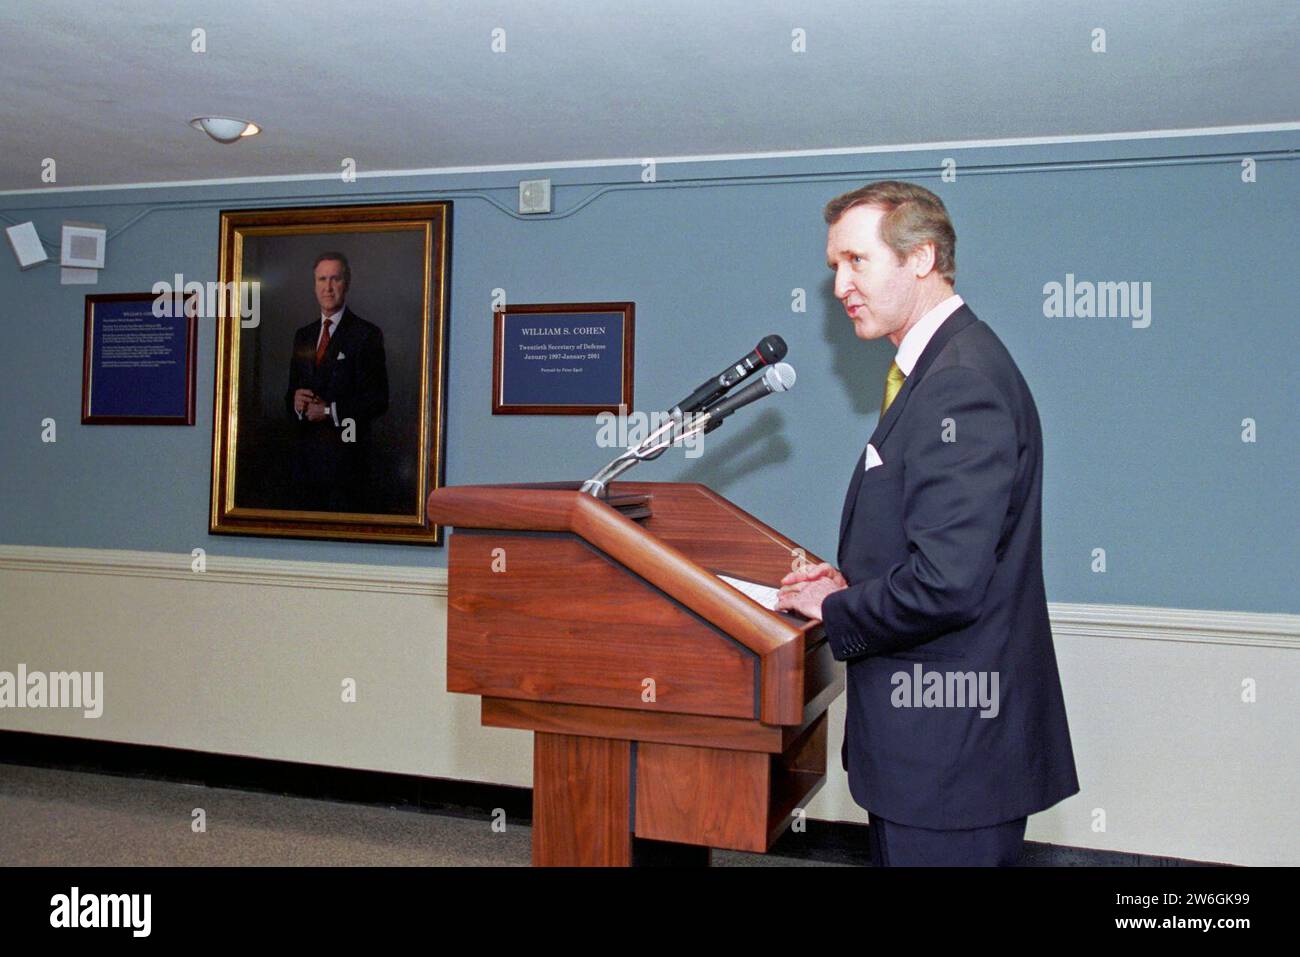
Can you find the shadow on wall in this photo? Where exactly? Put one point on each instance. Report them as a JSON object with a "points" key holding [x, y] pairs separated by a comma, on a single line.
{"points": [[765, 439], [758, 443]]}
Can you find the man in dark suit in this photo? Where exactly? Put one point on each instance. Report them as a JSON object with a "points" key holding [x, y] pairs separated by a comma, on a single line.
{"points": [[956, 728], [338, 385]]}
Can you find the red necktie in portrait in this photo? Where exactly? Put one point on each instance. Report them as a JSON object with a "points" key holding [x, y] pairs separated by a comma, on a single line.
{"points": [[324, 343]]}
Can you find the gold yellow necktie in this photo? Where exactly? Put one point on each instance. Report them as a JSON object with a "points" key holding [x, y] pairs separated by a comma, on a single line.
{"points": [[893, 382]]}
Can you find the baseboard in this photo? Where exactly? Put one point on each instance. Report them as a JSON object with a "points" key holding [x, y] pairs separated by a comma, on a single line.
{"points": [[318, 782]]}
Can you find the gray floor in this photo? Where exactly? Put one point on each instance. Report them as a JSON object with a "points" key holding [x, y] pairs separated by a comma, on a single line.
{"points": [[67, 818]]}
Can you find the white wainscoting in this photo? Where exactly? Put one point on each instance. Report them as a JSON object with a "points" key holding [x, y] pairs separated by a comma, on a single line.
{"points": [[249, 657]]}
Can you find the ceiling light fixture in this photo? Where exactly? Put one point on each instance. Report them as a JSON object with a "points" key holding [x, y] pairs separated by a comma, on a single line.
{"points": [[225, 129]]}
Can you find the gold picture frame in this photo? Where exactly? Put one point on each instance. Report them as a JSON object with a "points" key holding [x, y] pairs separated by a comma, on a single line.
{"points": [[330, 436]]}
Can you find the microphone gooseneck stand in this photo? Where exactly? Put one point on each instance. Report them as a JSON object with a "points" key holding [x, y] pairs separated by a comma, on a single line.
{"points": [[777, 378], [646, 450]]}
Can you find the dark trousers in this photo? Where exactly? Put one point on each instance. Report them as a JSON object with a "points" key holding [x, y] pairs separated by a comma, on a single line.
{"points": [[898, 845]]}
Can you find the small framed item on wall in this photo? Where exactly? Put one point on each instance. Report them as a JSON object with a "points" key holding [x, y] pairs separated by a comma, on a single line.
{"points": [[138, 360], [562, 358]]}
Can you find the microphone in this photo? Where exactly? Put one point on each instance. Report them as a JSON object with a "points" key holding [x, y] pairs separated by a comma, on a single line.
{"points": [[779, 378], [770, 349]]}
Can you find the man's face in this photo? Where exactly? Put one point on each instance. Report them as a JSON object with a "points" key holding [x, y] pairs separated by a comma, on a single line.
{"points": [[330, 287], [878, 292]]}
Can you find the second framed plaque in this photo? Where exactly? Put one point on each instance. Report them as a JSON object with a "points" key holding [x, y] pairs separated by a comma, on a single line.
{"points": [[562, 358]]}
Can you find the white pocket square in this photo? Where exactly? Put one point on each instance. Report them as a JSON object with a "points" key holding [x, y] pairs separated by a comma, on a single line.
{"points": [[873, 458], [338, 357]]}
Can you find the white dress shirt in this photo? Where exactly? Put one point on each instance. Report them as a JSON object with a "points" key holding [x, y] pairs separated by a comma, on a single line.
{"points": [[333, 324], [910, 349], [918, 337]]}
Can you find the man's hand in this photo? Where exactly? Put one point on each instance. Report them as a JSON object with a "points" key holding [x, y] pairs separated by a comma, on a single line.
{"points": [[317, 411], [301, 397], [812, 572], [805, 590]]}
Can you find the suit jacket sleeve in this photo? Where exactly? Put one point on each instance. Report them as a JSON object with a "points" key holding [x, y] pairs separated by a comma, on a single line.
{"points": [[956, 496], [369, 398], [297, 378]]}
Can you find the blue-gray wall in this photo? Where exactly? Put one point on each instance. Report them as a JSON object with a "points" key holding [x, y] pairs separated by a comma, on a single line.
{"points": [[1143, 426]]}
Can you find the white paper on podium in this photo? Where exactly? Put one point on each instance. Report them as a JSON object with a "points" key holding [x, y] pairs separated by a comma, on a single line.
{"points": [[765, 595]]}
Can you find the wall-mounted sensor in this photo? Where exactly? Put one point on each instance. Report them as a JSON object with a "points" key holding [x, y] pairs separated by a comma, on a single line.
{"points": [[535, 196], [83, 245]]}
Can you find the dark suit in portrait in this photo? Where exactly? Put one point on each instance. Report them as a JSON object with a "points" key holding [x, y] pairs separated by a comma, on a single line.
{"points": [[941, 546], [330, 473]]}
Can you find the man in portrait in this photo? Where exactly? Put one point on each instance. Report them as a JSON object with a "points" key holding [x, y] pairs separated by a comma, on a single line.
{"points": [[338, 386], [956, 727]]}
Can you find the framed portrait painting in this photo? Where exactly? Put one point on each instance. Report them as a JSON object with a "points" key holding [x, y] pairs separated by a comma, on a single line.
{"points": [[331, 371]]}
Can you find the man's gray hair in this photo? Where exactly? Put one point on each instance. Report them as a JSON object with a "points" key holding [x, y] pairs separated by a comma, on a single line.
{"points": [[913, 217]]}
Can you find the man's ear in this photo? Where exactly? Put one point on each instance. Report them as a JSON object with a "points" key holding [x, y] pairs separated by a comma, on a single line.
{"points": [[921, 259]]}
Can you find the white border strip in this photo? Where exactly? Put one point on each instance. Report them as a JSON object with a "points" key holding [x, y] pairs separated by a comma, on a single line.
{"points": [[705, 158], [394, 579], [1256, 629]]}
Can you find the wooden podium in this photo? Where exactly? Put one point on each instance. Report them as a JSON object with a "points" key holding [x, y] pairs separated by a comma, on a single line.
{"points": [[666, 706]]}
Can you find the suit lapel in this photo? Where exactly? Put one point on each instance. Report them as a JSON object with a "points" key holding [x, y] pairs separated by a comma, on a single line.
{"points": [[850, 498], [954, 324]]}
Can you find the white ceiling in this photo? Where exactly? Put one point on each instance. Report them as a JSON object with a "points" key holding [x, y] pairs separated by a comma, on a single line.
{"points": [[107, 88]]}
